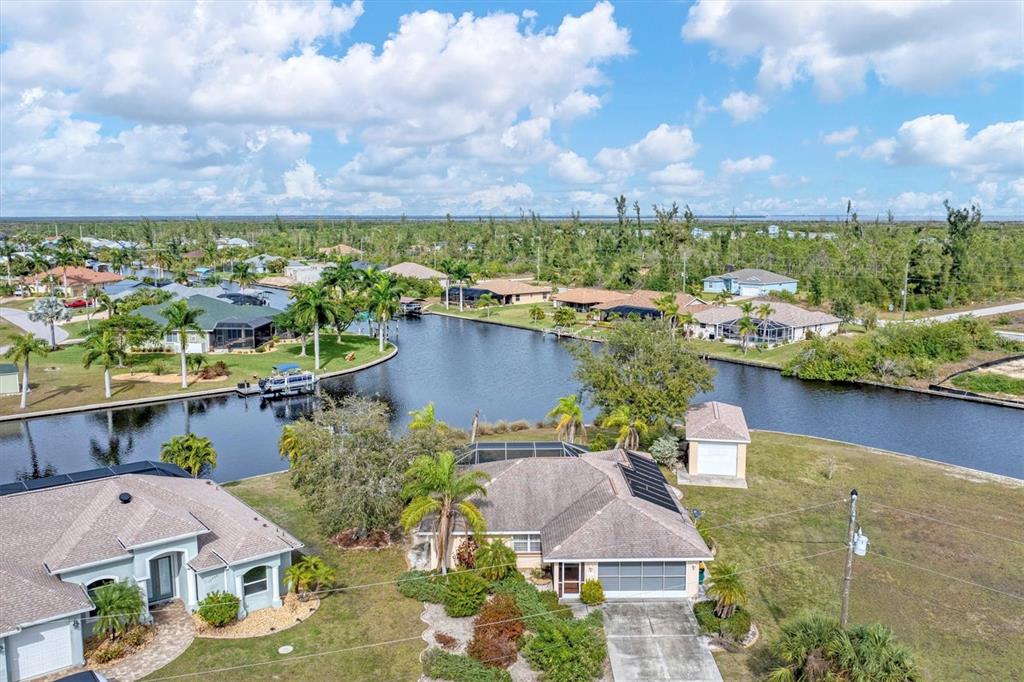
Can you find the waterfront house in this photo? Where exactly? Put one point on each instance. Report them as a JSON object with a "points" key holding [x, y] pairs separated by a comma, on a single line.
{"points": [[418, 271], [73, 280], [643, 303], [583, 299], [505, 291], [786, 323], [261, 264], [225, 326], [749, 282], [175, 537], [715, 451], [607, 516]]}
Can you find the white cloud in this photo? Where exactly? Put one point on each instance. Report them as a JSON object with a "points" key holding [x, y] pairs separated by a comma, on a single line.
{"points": [[918, 46], [499, 198], [570, 167], [677, 174], [910, 202], [748, 164], [665, 144], [302, 182], [844, 136], [743, 106]]}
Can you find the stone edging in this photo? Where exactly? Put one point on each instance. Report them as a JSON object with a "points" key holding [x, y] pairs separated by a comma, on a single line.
{"points": [[173, 398], [212, 634]]}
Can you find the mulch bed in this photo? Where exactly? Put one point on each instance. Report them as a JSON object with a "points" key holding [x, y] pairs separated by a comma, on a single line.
{"points": [[348, 539]]}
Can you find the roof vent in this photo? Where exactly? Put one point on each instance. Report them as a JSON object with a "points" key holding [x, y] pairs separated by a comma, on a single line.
{"points": [[125, 498]]}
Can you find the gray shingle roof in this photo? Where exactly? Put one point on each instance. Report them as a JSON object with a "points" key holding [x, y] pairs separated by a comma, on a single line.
{"points": [[783, 313], [753, 276], [716, 421]]}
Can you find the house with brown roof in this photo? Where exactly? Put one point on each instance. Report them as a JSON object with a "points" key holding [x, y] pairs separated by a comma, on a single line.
{"points": [[75, 279], [341, 250], [504, 291], [785, 323], [608, 516], [147, 523], [583, 299], [643, 303], [715, 452]]}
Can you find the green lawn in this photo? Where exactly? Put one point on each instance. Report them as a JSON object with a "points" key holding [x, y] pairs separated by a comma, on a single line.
{"points": [[956, 631], [59, 380], [8, 332], [346, 619], [773, 357], [519, 316], [989, 382]]}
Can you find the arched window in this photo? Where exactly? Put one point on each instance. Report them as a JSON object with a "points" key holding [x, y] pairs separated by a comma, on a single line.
{"points": [[254, 581], [95, 585]]}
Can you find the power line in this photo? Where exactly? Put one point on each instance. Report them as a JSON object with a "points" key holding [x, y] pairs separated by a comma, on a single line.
{"points": [[772, 516], [1011, 595], [946, 523]]}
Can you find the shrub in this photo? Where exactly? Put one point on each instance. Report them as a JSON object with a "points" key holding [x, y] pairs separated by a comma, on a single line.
{"points": [[495, 559], [665, 450], [135, 636], [219, 608], [442, 665], [464, 594], [567, 650], [600, 441], [591, 593], [109, 651], [735, 627], [446, 641], [519, 425], [158, 368], [421, 586], [496, 631], [550, 600], [465, 555], [118, 607]]}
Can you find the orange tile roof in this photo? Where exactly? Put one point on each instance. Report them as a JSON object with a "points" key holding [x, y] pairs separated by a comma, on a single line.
{"points": [[341, 250], [510, 287], [77, 275], [585, 295]]}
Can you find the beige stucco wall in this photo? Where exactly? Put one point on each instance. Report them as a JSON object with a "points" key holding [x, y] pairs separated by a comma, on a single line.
{"points": [[741, 460], [525, 561]]}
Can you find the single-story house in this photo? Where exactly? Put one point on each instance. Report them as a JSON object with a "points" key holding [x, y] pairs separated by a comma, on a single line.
{"points": [[305, 273], [225, 325], [418, 271], [99, 243], [149, 523], [583, 299], [607, 516], [715, 452], [505, 291], [78, 278], [787, 323], [261, 263], [232, 242], [10, 383], [340, 250], [749, 282], [122, 288], [642, 302]]}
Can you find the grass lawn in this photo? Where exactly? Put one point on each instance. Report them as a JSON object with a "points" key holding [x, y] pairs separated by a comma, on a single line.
{"points": [[774, 357], [519, 316], [8, 332], [917, 314], [956, 631], [989, 382], [70, 384], [346, 619]]}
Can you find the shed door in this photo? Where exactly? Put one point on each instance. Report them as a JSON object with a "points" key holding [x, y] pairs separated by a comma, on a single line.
{"points": [[717, 459], [41, 649]]}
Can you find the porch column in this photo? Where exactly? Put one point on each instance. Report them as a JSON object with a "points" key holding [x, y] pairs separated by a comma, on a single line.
{"points": [[143, 585], [190, 579], [240, 592], [275, 588]]}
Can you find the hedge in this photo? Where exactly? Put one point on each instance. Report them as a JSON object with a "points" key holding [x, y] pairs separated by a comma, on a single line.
{"points": [[421, 586], [219, 608], [442, 665]]}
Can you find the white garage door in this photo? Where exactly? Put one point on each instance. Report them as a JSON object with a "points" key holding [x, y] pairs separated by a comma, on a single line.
{"points": [[750, 291], [40, 649], [717, 459], [643, 579]]}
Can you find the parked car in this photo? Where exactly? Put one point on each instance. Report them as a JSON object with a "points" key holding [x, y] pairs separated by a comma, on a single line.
{"points": [[76, 303]]}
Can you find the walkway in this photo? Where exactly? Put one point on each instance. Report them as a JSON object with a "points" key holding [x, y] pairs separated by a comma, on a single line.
{"points": [[175, 631], [19, 318], [657, 640]]}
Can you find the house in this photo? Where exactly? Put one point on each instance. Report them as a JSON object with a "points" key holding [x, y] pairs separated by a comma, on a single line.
{"points": [[715, 452], [785, 324], [225, 326], [341, 250], [583, 299], [749, 282], [700, 233], [505, 291], [607, 516], [773, 231], [643, 302], [9, 379], [122, 288], [75, 280], [232, 242], [417, 271], [303, 273], [150, 523], [261, 264]]}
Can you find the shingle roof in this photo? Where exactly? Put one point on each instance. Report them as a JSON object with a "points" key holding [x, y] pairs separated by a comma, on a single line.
{"points": [[215, 311], [509, 287], [83, 523], [415, 270], [752, 276], [717, 421], [589, 295], [782, 313], [342, 250], [645, 298]]}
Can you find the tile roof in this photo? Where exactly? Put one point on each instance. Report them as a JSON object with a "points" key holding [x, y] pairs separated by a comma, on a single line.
{"points": [[341, 250], [753, 276], [645, 298], [58, 528], [509, 287], [716, 421], [77, 275], [416, 271]]}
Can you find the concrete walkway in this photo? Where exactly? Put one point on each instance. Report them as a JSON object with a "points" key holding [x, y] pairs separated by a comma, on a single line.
{"points": [[977, 312], [19, 318], [657, 640]]}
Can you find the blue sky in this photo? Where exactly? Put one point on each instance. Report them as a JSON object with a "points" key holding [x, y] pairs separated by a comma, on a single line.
{"points": [[489, 108]]}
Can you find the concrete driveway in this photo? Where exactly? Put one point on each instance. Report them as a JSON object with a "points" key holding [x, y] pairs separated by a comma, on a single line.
{"points": [[657, 640], [19, 318]]}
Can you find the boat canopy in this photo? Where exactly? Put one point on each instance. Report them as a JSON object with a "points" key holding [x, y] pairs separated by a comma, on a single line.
{"points": [[286, 367]]}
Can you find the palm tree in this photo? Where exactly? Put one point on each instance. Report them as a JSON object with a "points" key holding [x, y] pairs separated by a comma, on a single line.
{"points": [[536, 313], [190, 452], [722, 297], [291, 445], [384, 302], [448, 265], [726, 588], [668, 306], [747, 327], [764, 311], [629, 428], [104, 348], [314, 307], [686, 320], [182, 319], [487, 301], [67, 257], [309, 572], [564, 316], [7, 250], [459, 272], [164, 260], [24, 347], [118, 605], [435, 488], [424, 418], [50, 311], [243, 275], [570, 417], [747, 308]]}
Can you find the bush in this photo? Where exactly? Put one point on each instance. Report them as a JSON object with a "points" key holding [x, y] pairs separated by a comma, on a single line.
{"points": [[519, 425], [110, 650], [496, 631], [446, 641], [600, 441], [422, 586], [534, 604], [158, 368], [495, 560], [219, 608], [735, 627], [550, 600], [465, 555], [464, 594], [665, 450], [567, 650], [442, 665], [135, 636], [591, 593]]}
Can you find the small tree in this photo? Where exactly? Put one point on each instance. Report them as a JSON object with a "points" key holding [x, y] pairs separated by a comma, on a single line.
{"points": [[726, 588], [190, 452], [495, 559], [747, 327], [424, 418], [843, 308], [487, 302], [569, 412], [665, 450], [536, 314], [104, 348], [118, 606], [311, 573], [182, 319], [630, 429], [564, 316]]}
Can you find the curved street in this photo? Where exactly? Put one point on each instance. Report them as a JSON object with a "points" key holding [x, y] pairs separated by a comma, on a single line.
{"points": [[19, 318]]}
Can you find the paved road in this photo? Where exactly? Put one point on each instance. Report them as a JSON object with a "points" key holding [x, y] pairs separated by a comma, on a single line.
{"points": [[978, 312], [19, 318], [657, 640]]}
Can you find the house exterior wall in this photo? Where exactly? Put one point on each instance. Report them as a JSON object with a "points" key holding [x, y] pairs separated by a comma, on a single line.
{"points": [[735, 287], [9, 384], [8, 657], [693, 464], [714, 286]]}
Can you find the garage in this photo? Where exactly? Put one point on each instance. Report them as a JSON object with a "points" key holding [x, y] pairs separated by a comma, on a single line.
{"points": [[41, 649], [642, 579], [716, 459], [750, 291]]}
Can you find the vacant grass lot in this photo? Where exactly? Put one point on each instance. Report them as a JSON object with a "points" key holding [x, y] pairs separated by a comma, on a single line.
{"points": [[356, 620], [60, 380], [971, 528], [519, 316], [989, 382]]}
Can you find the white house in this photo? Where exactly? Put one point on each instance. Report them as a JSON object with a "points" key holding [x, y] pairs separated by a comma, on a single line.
{"points": [[715, 452], [785, 323]]}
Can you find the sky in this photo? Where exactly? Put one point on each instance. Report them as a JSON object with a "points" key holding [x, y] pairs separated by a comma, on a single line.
{"points": [[492, 108]]}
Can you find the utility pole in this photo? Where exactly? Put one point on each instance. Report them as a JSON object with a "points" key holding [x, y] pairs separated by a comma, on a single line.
{"points": [[844, 614], [906, 277], [686, 256]]}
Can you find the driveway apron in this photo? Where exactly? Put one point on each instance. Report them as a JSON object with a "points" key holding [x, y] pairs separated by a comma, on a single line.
{"points": [[657, 640]]}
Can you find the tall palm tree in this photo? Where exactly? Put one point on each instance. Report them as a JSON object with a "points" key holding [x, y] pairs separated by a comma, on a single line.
{"points": [[536, 313], [190, 452], [726, 588], [630, 429], [570, 417], [435, 488], [448, 265], [164, 260], [668, 306], [24, 347], [182, 319], [67, 257], [747, 327], [459, 272], [315, 306], [686, 320], [747, 308], [104, 348], [385, 295], [243, 275], [50, 311]]}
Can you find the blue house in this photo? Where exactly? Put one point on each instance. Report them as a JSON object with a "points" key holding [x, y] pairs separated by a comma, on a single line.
{"points": [[749, 282]]}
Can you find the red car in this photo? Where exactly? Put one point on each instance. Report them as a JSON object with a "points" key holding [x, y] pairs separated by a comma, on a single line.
{"points": [[76, 303]]}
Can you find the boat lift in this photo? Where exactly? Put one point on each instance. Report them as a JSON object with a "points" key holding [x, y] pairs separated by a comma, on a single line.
{"points": [[287, 380]]}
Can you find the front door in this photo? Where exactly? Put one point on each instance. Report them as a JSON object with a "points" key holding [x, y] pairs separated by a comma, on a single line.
{"points": [[161, 573], [570, 579]]}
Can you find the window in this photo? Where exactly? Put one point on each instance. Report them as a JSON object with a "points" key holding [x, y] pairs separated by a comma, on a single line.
{"points": [[255, 580], [645, 576], [525, 543], [95, 585]]}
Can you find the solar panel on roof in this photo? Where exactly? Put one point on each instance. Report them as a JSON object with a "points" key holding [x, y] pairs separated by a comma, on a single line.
{"points": [[141, 467], [646, 482]]}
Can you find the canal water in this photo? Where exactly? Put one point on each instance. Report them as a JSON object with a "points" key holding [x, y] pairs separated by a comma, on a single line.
{"points": [[510, 374]]}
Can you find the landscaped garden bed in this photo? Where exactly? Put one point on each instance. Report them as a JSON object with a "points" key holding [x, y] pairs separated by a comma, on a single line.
{"points": [[261, 622]]}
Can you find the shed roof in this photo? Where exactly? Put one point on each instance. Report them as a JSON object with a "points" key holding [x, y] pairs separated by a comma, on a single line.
{"points": [[717, 421]]}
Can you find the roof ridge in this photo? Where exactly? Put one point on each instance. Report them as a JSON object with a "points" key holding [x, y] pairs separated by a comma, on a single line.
{"points": [[585, 522]]}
